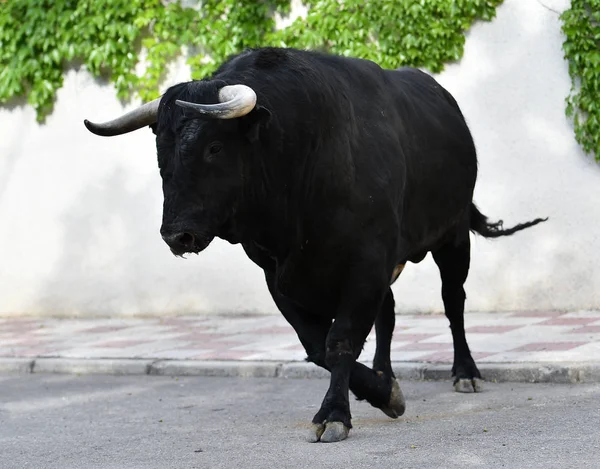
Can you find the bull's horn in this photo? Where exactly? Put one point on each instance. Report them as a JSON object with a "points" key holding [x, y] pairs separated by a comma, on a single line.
{"points": [[234, 101], [136, 119]]}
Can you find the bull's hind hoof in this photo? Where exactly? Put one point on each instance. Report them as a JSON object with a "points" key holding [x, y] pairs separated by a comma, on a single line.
{"points": [[334, 431], [469, 385], [396, 405]]}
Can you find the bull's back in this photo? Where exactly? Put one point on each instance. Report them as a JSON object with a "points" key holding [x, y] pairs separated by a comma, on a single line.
{"points": [[377, 138], [439, 153]]}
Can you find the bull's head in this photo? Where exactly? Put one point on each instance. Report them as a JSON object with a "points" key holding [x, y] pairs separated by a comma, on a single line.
{"points": [[201, 150]]}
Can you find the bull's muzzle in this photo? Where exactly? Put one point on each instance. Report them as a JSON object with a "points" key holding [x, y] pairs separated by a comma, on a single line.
{"points": [[182, 242]]}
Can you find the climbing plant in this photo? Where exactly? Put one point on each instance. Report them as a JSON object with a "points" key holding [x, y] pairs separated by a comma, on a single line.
{"points": [[581, 27], [426, 33], [40, 39]]}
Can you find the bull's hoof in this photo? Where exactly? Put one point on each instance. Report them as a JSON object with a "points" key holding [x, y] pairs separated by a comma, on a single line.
{"points": [[469, 385], [334, 431], [328, 432], [396, 405], [315, 432]]}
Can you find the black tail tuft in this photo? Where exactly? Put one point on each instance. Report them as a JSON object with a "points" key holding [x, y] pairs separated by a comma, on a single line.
{"points": [[480, 224]]}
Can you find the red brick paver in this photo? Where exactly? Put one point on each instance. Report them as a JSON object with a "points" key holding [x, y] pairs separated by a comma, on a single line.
{"points": [[493, 337], [548, 346]]}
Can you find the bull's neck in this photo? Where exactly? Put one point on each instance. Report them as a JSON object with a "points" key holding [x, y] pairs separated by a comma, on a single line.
{"points": [[290, 193]]}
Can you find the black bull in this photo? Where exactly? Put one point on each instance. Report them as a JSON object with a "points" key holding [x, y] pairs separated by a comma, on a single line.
{"points": [[333, 174]]}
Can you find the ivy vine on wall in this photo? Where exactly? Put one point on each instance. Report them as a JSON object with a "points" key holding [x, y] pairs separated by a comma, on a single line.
{"points": [[391, 33], [39, 40], [581, 27]]}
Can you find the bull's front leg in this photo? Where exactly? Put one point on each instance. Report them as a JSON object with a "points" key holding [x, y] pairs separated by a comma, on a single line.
{"points": [[360, 302], [378, 386]]}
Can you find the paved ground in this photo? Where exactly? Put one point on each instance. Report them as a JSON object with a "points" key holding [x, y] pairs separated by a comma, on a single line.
{"points": [[83, 422], [550, 337]]}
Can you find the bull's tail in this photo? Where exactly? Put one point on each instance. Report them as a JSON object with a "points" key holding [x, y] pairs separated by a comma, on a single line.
{"points": [[480, 224]]}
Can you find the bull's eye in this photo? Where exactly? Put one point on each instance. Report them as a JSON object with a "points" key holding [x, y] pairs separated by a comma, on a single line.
{"points": [[215, 148]]}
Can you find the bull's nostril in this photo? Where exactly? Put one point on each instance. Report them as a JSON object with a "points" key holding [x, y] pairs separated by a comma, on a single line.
{"points": [[186, 239], [183, 241]]}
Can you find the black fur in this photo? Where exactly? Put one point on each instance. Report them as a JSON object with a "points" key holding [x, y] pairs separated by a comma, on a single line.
{"points": [[343, 171]]}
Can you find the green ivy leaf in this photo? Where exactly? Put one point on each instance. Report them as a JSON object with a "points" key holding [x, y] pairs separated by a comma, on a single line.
{"points": [[581, 27], [38, 38]]}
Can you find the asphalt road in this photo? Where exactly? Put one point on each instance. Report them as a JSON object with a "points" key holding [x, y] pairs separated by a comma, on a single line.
{"points": [[66, 421]]}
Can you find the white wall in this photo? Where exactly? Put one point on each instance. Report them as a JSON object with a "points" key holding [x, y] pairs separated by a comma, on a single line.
{"points": [[80, 214]]}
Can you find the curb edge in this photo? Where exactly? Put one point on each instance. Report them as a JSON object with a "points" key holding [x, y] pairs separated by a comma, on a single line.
{"points": [[565, 373]]}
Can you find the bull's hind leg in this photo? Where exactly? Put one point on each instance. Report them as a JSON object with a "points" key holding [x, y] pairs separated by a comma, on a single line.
{"points": [[453, 260]]}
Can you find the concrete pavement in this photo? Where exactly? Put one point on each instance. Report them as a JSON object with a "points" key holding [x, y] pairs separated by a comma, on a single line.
{"points": [[53, 421]]}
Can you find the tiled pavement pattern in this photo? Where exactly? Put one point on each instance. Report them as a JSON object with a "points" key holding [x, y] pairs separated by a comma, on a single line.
{"points": [[494, 338]]}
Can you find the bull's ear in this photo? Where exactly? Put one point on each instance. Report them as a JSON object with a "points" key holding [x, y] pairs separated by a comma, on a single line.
{"points": [[258, 119], [153, 127]]}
